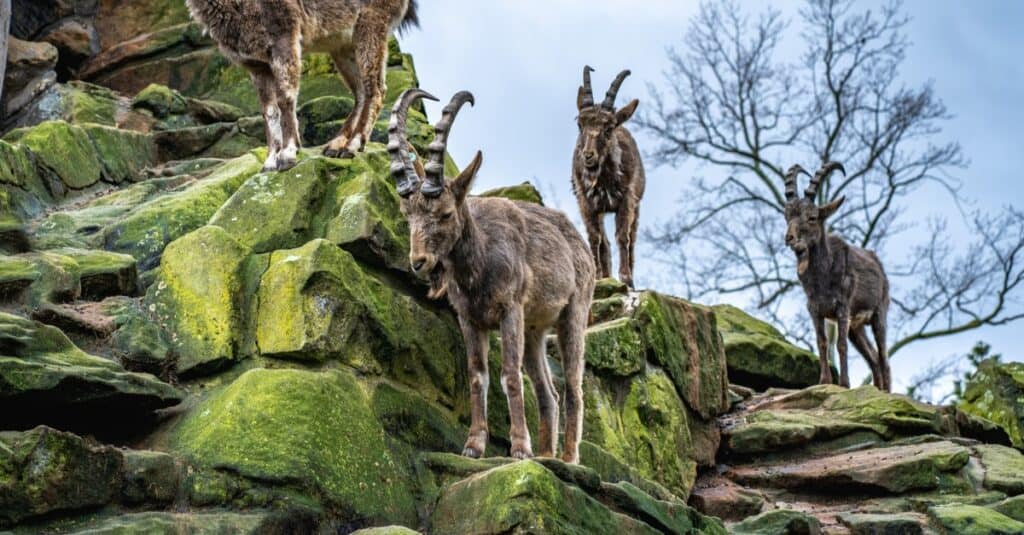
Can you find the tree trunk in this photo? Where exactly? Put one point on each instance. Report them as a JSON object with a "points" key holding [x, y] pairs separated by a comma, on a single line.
{"points": [[5, 26]]}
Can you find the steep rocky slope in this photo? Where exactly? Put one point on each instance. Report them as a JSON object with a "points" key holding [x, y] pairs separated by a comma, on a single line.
{"points": [[188, 345]]}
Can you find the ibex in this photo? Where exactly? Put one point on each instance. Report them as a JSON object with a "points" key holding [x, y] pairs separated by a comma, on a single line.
{"points": [[268, 37], [607, 175], [513, 266], [843, 283]]}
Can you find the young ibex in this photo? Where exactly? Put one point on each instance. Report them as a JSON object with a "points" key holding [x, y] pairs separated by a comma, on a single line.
{"points": [[507, 265], [268, 37], [843, 283], [607, 175]]}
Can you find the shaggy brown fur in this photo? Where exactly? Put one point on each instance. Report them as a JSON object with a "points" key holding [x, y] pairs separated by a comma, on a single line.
{"points": [[268, 37], [608, 176], [843, 283], [513, 266]]}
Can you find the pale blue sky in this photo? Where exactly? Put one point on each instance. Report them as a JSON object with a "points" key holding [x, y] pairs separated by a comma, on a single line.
{"points": [[523, 59]]}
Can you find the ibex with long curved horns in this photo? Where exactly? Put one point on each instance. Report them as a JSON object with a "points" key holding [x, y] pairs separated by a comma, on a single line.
{"points": [[607, 175], [843, 283], [268, 37], [513, 266]]}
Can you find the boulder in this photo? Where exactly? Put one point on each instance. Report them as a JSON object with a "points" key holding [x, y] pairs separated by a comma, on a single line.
{"points": [[30, 72], [313, 428], [759, 356], [41, 368], [778, 522], [45, 471], [525, 192], [974, 520], [994, 392]]}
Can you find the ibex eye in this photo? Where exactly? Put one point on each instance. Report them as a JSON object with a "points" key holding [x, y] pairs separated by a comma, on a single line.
{"points": [[446, 216]]}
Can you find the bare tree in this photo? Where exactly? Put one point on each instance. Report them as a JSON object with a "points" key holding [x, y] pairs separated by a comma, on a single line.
{"points": [[731, 103]]}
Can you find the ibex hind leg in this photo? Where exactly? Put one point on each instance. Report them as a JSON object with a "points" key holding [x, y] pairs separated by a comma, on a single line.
{"points": [[878, 327], [345, 62], [859, 339], [287, 69], [371, 49], [571, 341], [263, 80], [536, 365]]}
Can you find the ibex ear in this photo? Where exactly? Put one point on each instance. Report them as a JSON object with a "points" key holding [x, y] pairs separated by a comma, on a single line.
{"points": [[626, 112], [462, 183], [827, 210]]}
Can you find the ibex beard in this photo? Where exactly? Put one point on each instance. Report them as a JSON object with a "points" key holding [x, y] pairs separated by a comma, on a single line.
{"points": [[268, 37], [511, 266]]}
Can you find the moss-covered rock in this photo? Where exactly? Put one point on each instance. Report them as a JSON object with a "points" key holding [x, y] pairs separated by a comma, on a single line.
{"points": [[778, 522], [759, 356], [667, 517], [524, 497], [63, 149], [148, 228], [974, 520], [272, 211], [198, 298], [682, 338], [315, 429], [41, 368], [615, 348], [646, 427], [884, 524], [337, 310], [994, 392], [45, 471], [1004, 468], [150, 477], [124, 154], [169, 523], [102, 273], [525, 192], [367, 220]]}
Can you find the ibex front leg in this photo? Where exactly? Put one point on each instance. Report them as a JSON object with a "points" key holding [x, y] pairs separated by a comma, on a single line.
{"points": [[476, 351], [825, 377], [512, 381]]}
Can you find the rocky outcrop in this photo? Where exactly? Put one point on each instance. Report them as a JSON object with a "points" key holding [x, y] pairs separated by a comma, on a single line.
{"points": [[995, 392], [830, 460], [206, 348]]}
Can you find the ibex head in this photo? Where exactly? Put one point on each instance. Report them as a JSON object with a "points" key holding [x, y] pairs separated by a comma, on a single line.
{"points": [[433, 206], [805, 219], [596, 143]]}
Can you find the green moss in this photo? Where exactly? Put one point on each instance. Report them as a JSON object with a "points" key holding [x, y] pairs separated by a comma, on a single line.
{"points": [[668, 517], [291, 425], [1011, 507], [146, 230], [405, 415], [615, 348], [102, 273], [525, 192], [609, 287], [88, 103], [65, 150], [197, 298], [759, 356], [276, 210], [524, 497], [16, 166], [319, 117], [974, 520]]}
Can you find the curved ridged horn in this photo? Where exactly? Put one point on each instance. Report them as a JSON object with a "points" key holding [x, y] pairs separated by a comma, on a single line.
{"points": [[827, 168], [588, 91], [791, 177], [433, 185], [613, 90], [402, 169]]}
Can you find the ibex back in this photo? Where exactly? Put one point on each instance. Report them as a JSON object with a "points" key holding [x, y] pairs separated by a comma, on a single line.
{"points": [[507, 265], [268, 37]]}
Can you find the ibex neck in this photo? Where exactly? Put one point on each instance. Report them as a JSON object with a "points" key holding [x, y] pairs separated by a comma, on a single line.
{"points": [[466, 258]]}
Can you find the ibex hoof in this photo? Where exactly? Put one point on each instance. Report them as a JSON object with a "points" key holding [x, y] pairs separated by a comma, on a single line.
{"points": [[471, 453], [518, 453], [338, 153]]}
